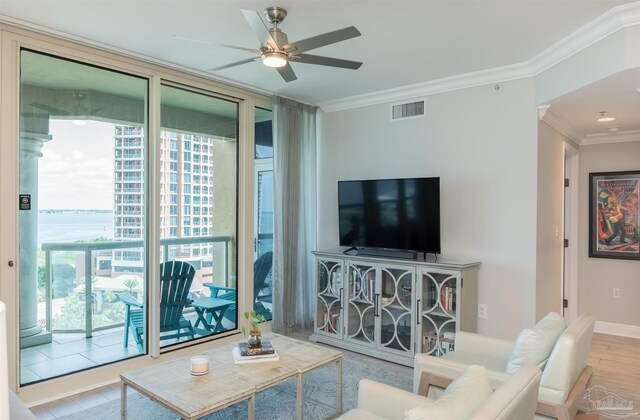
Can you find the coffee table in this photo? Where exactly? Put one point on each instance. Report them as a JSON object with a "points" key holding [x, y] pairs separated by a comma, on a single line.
{"points": [[172, 385]]}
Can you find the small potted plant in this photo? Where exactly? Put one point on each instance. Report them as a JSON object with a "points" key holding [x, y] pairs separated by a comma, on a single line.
{"points": [[254, 319]]}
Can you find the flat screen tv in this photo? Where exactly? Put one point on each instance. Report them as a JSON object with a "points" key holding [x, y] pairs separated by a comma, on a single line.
{"points": [[395, 214]]}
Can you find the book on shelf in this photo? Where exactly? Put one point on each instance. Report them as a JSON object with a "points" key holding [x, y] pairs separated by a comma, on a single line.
{"points": [[441, 344], [238, 359], [448, 298], [447, 345], [429, 341], [330, 322], [265, 349]]}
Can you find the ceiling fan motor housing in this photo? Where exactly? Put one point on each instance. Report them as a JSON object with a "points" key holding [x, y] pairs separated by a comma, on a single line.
{"points": [[280, 38], [275, 14]]}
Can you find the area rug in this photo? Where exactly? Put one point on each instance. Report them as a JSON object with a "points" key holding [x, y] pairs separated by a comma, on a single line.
{"points": [[279, 402]]}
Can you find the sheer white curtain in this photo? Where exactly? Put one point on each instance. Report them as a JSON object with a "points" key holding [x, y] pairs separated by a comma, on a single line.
{"points": [[294, 234]]}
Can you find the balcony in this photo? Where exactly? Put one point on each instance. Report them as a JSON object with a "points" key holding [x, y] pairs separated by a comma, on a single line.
{"points": [[80, 309]]}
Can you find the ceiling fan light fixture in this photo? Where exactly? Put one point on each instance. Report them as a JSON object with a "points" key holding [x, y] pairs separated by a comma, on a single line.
{"points": [[604, 118], [274, 59]]}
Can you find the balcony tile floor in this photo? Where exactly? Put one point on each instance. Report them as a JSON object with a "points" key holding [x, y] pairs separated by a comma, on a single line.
{"points": [[74, 352]]}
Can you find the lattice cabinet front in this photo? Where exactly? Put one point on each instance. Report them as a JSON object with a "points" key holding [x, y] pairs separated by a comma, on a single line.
{"points": [[393, 308]]}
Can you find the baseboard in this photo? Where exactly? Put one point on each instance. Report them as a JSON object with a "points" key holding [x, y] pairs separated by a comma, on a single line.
{"points": [[622, 330]]}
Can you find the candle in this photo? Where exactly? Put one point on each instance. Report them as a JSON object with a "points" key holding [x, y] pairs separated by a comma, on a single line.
{"points": [[199, 364]]}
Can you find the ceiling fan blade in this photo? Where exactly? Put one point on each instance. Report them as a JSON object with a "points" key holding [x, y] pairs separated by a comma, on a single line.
{"points": [[235, 47], [261, 30], [287, 73], [237, 63], [326, 61], [322, 40]]}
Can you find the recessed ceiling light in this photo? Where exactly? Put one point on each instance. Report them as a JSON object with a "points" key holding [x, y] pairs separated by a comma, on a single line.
{"points": [[604, 118]]}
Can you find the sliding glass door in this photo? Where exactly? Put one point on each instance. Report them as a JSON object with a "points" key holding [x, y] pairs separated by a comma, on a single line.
{"points": [[82, 221], [88, 191], [198, 202], [263, 213]]}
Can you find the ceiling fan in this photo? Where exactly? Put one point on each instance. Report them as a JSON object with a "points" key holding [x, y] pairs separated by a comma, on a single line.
{"points": [[276, 51]]}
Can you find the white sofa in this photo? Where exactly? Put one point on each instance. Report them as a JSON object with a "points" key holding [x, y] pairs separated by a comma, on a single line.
{"points": [[514, 399], [564, 377]]}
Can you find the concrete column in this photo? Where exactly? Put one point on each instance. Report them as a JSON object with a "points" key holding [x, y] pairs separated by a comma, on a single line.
{"points": [[31, 333]]}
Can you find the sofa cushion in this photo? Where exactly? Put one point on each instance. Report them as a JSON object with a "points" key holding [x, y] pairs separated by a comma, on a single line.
{"points": [[534, 345], [461, 398]]}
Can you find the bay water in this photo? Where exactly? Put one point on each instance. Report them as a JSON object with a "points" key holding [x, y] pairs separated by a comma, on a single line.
{"points": [[71, 226]]}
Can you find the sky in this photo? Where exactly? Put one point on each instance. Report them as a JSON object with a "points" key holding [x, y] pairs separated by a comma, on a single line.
{"points": [[76, 167]]}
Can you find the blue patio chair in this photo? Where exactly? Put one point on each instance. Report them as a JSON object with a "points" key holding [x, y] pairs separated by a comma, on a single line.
{"points": [[261, 270], [175, 281]]}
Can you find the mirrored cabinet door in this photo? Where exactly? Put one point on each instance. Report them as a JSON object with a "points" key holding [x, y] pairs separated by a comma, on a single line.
{"points": [[395, 308], [329, 297], [360, 308], [438, 311]]}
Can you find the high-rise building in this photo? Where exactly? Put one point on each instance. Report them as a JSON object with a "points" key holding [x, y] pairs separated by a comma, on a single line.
{"points": [[128, 198], [185, 194]]}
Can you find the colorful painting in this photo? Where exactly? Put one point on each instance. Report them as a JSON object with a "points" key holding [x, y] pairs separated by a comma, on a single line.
{"points": [[613, 215]]}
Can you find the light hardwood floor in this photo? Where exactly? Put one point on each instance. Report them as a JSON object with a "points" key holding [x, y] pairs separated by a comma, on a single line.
{"points": [[616, 367], [615, 361]]}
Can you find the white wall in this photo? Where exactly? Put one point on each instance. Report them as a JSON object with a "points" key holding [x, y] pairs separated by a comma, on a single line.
{"points": [[482, 143], [598, 276]]}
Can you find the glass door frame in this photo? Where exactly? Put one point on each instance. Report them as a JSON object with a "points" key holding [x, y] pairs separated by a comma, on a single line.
{"points": [[261, 165], [12, 40]]}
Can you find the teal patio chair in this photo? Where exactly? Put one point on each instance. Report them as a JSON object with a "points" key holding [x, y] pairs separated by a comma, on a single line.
{"points": [[175, 281], [261, 270]]}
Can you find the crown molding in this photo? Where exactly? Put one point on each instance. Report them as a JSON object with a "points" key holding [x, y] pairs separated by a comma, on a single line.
{"points": [[607, 138], [559, 123], [610, 22], [464, 81], [613, 20]]}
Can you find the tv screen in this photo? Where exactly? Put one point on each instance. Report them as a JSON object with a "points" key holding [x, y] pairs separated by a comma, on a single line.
{"points": [[401, 214]]}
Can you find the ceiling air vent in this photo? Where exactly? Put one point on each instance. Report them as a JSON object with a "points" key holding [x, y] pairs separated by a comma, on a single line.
{"points": [[407, 110]]}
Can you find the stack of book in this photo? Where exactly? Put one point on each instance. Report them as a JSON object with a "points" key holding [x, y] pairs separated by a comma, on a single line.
{"points": [[242, 353]]}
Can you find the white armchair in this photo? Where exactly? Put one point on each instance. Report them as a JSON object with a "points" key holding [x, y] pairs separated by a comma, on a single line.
{"points": [[564, 377], [514, 399]]}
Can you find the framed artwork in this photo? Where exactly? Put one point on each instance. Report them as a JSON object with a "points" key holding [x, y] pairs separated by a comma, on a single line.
{"points": [[613, 215]]}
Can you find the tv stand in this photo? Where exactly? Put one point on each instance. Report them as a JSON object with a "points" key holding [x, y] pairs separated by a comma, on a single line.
{"points": [[393, 308], [390, 253]]}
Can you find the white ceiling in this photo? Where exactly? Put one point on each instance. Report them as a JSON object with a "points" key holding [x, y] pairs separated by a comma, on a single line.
{"points": [[402, 43]]}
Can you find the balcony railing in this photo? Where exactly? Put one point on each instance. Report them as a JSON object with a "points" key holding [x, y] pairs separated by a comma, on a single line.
{"points": [[88, 248]]}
